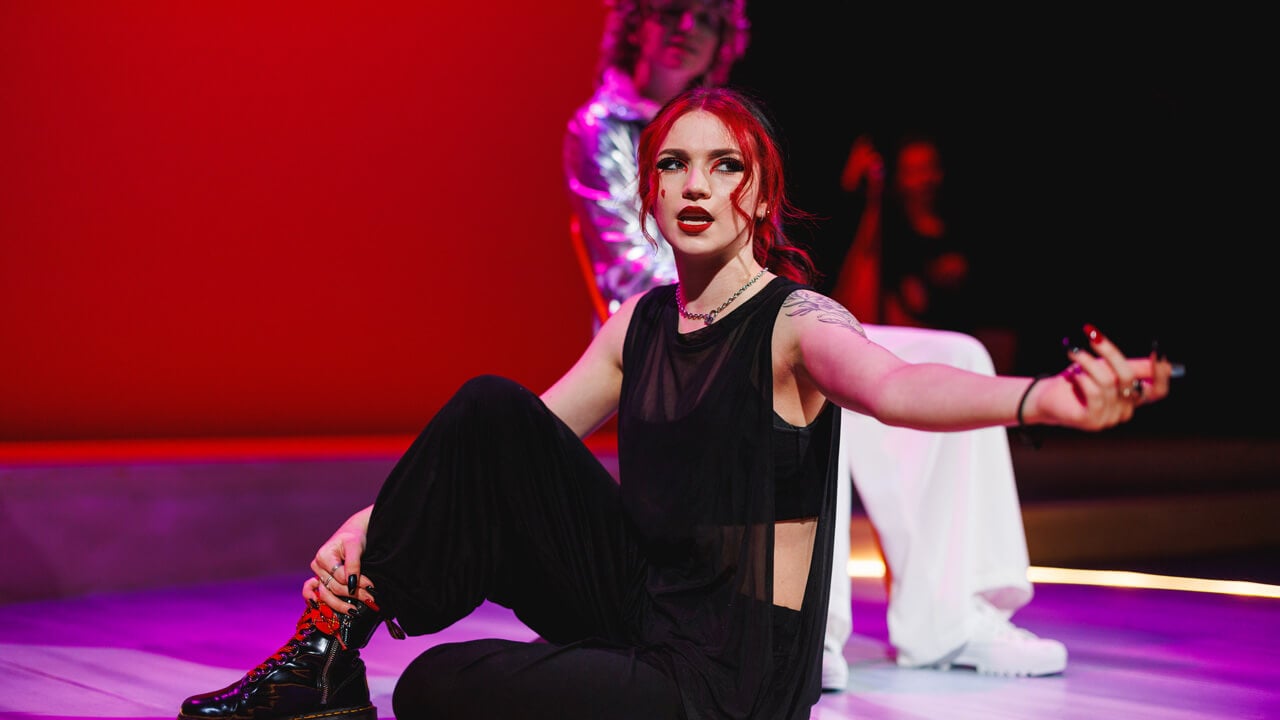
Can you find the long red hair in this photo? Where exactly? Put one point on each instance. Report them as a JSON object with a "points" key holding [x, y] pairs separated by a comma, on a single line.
{"points": [[751, 129]]}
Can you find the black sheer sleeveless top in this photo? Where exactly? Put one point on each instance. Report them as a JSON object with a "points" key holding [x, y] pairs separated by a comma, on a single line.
{"points": [[704, 476]]}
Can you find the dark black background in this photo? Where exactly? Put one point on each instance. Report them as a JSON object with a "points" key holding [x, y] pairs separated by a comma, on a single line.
{"points": [[1111, 165]]}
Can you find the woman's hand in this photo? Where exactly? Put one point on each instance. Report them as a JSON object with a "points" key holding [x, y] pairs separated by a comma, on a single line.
{"points": [[336, 566], [1100, 389]]}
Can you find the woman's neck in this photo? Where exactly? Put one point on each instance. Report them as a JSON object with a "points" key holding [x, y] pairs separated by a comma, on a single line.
{"points": [[704, 288]]}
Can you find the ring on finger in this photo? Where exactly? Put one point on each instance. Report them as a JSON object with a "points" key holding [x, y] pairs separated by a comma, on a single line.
{"points": [[325, 581], [334, 571]]}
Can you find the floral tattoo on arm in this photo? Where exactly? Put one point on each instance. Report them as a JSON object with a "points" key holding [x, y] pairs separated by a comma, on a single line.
{"points": [[804, 302]]}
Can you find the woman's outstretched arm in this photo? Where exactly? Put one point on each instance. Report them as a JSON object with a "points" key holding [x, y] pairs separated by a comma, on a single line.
{"points": [[1099, 387]]}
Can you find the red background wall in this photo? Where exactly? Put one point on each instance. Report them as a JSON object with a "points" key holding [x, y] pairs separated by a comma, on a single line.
{"points": [[296, 219], [258, 219]]}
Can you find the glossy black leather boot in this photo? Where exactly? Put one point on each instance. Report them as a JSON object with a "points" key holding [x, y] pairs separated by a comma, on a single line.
{"points": [[317, 674]]}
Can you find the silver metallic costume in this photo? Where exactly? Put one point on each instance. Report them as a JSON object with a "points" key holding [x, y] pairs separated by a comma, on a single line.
{"points": [[600, 147]]}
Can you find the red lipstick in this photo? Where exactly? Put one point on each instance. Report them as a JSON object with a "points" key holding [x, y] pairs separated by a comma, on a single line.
{"points": [[693, 220]]}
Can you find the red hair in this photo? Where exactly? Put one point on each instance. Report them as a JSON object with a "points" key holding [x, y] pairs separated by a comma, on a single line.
{"points": [[754, 134]]}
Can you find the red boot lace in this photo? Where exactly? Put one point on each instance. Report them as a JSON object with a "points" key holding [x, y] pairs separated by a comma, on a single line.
{"points": [[317, 617]]}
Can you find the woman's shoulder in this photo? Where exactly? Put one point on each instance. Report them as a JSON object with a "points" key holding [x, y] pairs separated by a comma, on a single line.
{"points": [[646, 302], [806, 308], [798, 294]]}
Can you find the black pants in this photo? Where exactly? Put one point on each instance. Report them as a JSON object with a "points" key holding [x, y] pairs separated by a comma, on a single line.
{"points": [[498, 500]]}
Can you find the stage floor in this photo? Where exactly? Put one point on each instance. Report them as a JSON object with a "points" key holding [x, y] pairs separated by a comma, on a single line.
{"points": [[1134, 654]]}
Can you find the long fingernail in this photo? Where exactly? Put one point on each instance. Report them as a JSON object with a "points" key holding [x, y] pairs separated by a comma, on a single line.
{"points": [[1092, 332], [1156, 351], [353, 580]]}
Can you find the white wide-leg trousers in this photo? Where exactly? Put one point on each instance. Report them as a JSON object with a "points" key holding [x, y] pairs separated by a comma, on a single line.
{"points": [[945, 509]]}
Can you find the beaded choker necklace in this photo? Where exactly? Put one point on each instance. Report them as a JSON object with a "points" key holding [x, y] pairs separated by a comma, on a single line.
{"points": [[710, 317]]}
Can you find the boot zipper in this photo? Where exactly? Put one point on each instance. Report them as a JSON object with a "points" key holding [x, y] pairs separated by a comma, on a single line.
{"points": [[328, 661]]}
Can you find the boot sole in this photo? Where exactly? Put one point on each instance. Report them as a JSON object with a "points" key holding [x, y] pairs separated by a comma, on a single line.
{"points": [[367, 712]]}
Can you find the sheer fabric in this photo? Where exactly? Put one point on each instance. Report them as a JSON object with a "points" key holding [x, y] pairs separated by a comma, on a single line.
{"points": [[695, 453]]}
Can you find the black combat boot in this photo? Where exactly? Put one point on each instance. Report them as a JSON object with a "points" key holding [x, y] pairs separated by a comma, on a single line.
{"points": [[317, 674]]}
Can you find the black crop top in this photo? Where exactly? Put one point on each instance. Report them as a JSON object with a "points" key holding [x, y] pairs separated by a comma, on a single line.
{"points": [[797, 490]]}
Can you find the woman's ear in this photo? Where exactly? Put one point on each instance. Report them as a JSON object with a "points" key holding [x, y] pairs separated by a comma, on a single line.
{"points": [[762, 210]]}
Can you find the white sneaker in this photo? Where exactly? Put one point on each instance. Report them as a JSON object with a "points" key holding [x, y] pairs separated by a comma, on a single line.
{"points": [[835, 671], [998, 647]]}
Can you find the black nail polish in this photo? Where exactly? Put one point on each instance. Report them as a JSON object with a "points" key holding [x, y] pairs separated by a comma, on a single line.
{"points": [[1160, 354], [353, 581]]}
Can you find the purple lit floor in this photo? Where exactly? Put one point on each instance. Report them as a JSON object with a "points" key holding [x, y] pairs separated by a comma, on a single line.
{"points": [[1134, 654]]}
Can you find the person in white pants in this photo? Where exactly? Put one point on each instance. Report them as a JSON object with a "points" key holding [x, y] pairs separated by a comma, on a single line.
{"points": [[943, 504], [945, 508]]}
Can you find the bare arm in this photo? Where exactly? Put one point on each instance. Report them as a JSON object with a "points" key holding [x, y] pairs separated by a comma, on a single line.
{"points": [[834, 358], [588, 394]]}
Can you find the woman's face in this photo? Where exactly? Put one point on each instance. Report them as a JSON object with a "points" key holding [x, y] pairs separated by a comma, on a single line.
{"points": [[681, 35], [699, 166]]}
